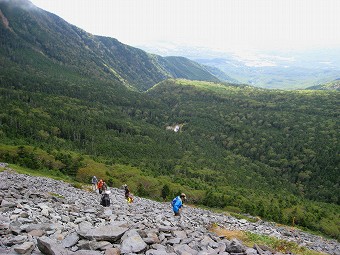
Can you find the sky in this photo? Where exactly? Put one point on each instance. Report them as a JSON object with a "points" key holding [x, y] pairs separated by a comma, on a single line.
{"points": [[226, 25]]}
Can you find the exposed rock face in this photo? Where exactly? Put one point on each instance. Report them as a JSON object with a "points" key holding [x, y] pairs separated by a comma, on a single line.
{"points": [[4, 20], [34, 220]]}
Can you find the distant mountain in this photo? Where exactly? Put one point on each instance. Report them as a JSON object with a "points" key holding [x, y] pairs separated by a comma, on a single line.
{"points": [[220, 74], [31, 36], [274, 69], [333, 85], [270, 75]]}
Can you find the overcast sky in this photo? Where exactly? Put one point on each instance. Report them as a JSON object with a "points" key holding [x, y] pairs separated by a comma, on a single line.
{"points": [[217, 24]]}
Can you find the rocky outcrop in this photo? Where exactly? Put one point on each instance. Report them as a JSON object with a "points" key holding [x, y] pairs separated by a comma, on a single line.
{"points": [[45, 216], [4, 20]]}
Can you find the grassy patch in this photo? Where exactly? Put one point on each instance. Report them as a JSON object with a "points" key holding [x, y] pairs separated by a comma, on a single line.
{"points": [[56, 195], [245, 217], [249, 239]]}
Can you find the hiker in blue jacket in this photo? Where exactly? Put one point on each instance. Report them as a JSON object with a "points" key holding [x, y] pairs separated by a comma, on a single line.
{"points": [[94, 182], [177, 203]]}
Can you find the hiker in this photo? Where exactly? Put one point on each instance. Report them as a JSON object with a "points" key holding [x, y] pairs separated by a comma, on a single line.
{"points": [[94, 182], [128, 195], [100, 186], [104, 187], [177, 203], [105, 199]]}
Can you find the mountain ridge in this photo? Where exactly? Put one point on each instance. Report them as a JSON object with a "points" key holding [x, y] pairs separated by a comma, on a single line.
{"points": [[102, 57]]}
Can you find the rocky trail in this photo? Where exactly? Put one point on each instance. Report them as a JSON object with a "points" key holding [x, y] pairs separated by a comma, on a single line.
{"points": [[44, 216]]}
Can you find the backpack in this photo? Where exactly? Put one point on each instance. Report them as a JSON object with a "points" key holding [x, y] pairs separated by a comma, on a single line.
{"points": [[105, 200]]}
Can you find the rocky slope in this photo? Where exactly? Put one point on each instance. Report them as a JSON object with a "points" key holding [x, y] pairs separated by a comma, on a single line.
{"points": [[44, 216]]}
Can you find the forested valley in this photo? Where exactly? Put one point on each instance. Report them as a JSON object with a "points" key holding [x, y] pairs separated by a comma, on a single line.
{"points": [[267, 153]]}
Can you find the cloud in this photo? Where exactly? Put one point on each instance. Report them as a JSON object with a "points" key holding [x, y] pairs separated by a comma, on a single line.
{"points": [[219, 24]]}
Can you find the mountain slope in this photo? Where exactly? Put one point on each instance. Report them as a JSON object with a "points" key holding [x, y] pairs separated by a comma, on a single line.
{"points": [[333, 85], [52, 199], [244, 149], [220, 74], [31, 35], [265, 126], [258, 151]]}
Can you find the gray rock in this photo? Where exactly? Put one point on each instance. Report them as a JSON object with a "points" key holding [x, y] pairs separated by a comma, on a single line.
{"points": [[112, 251], [24, 248], [4, 251], [132, 242], [70, 240], [207, 241], [86, 252], [36, 232], [173, 241], [84, 227], [251, 251], [184, 249], [9, 204], [180, 234], [12, 240], [106, 233], [15, 227], [158, 252], [235, 246], [42, 226], [49, 247], [86, 245]]}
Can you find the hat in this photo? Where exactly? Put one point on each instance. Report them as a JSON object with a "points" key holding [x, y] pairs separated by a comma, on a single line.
{"points": [[183, 195]]}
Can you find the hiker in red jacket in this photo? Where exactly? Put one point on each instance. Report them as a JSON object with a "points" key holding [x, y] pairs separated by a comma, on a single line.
{"points": [[100, 186]]}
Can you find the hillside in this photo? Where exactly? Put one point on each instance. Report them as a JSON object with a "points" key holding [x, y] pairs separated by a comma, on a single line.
{"points": [[334, 85], [71, 105], [240, 148], [44, 42], [221, 75], [265, 126], [52, 217]]}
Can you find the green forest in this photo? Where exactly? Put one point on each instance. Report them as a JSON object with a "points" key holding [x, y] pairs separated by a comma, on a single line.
{"points": [[272, 154], [74, 105]]}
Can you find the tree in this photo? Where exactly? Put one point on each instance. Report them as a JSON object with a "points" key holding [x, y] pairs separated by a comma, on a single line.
{"points": [[165, 191]]}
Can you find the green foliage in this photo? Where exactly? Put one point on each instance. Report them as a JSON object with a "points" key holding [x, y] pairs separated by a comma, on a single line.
{"points": [[57, 195], [165, 191], [70, 165], [36, 159]]}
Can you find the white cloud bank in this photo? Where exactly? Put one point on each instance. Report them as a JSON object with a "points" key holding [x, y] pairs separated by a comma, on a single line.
{"points": [[228, 25]]}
